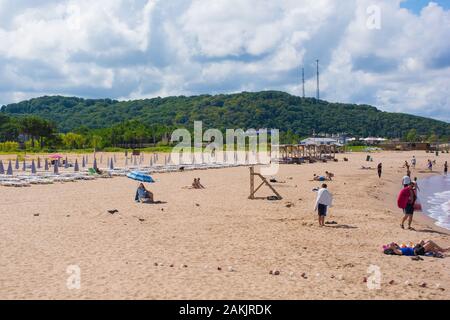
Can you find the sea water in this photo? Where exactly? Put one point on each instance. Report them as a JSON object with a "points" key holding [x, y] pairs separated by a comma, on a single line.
{"points": [[434, 195]]}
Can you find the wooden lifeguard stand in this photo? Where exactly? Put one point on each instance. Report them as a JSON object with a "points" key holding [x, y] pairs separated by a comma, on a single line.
{"points": [[254, 174]]}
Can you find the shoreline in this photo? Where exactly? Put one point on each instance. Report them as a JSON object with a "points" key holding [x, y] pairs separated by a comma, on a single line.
{"points": [[420, 217]]}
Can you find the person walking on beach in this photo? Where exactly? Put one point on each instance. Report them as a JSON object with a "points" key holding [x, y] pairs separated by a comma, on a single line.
{"points": [[323, 201], [445, 168], [380, 169], [413, 162], [430, 165], [406, 181], [406, 201]]}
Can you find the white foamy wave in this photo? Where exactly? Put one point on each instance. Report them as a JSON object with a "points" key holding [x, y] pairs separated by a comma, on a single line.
{"points": [[440, 208]]}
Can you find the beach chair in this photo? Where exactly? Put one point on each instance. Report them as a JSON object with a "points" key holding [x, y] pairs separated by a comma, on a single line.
{"points": [[92, 172]]}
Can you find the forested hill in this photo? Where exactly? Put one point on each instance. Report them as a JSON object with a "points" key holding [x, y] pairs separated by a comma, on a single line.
{"points": [[268, 109]]}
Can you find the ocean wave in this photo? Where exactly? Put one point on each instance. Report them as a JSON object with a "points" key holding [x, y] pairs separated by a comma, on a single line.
{"points": [[437, 202]]}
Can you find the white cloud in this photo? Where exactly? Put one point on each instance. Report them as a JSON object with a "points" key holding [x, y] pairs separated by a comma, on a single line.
{"points": [[143, 48]]}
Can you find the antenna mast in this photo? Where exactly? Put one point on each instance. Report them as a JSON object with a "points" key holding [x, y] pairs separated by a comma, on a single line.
{"points": [[318, 84], [303, 81]]}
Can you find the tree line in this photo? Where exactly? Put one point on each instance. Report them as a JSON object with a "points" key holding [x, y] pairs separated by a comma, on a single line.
{"points": [[69, 122]]}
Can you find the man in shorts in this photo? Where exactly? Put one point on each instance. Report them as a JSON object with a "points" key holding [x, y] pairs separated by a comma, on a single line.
{"points": [[323, 201]]}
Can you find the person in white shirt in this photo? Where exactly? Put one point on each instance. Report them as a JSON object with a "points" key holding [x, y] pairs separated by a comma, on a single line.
{"points": [[413, 162], [323, 201], [406, 181]]}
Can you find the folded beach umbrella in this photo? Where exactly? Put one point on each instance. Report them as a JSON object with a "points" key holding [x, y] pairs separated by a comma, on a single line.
{"points": [[165, 160], [115, 159], [111, 164], [101, 158], [87, 160], [95, 164], [66, 165], [33, 167], [134, 161], [24, 166], [76, 167], [56, 168], [151, 162], [46, 165], [9, 172], [39, 163], [17, 163], [140, 176], [126, 161], [83, 162], [2, 169]]}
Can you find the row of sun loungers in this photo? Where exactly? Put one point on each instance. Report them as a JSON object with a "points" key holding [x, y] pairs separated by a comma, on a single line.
{"points": [[41, 178]]}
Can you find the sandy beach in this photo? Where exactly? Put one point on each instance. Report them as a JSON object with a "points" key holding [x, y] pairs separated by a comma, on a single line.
{"points": [[173, 250]]}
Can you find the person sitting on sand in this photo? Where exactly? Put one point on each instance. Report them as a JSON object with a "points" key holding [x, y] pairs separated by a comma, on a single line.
{"points": [[143, 195], [329, 175], [423, 248], [194, 184], [200, 186], [323, 201]]}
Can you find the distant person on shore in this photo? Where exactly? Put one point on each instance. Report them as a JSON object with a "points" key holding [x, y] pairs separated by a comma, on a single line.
{"points": [[380, 169], [413, 162], [323, 202], [406, 201], [445, 168], [416, 184], [406, 181], [430, 165]]}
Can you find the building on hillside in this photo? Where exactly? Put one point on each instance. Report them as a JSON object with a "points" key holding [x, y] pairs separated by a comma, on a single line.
{"points": [[374, 140], [321, 142]]}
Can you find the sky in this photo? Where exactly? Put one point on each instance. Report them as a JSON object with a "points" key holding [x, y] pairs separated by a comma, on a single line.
{"points": [[393, 54]]}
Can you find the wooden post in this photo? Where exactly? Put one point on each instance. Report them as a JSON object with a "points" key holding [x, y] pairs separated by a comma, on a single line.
{"points": [[252, 183]]}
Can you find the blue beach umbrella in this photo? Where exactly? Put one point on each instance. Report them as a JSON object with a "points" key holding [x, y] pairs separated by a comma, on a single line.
{"points": [[95, 164], [76, 167], [39, 163], [2, 169], [83, 162], [140, 176], [111, 164], [24, 166], [17, 163], [46, 165]]}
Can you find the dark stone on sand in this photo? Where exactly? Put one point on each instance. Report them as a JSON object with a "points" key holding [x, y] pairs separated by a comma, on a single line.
{"points": [[36, 214]]}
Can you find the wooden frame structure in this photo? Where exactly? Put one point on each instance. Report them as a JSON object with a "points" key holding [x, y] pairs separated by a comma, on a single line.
{"points": [[253, 191]]}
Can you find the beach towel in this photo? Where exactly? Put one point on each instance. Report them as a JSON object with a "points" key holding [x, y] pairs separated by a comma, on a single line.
{"points": [[403, 198], [324, 197]]}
